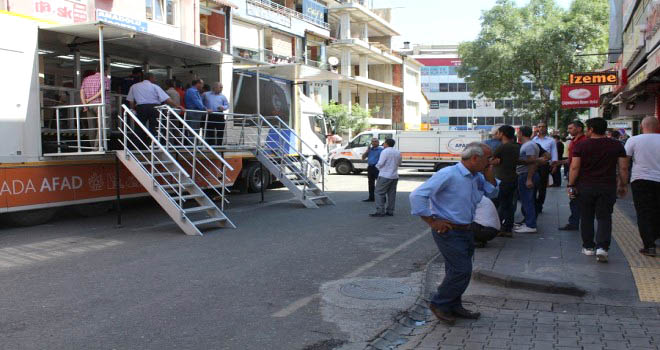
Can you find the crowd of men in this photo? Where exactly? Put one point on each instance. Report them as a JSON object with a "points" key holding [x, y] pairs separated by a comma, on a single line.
{"points": [[464, 202]]}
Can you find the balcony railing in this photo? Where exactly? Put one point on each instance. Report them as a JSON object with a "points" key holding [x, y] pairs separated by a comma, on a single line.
{"points": [[273, 58], [247, 54], [273, 6], [213, 42]]}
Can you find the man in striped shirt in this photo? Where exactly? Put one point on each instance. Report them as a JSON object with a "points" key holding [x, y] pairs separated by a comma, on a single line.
{"points": [[90, 93]]}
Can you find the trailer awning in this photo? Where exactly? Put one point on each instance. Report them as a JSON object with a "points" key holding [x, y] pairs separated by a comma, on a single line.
{"points": [[297, 72], [144, 46]]}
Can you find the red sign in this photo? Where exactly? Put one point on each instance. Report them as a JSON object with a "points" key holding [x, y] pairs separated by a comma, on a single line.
{"points": [[580, 96], [441, 62]]}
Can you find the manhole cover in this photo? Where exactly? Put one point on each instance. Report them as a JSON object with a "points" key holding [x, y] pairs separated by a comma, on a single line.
{"points": [[375, 289]]}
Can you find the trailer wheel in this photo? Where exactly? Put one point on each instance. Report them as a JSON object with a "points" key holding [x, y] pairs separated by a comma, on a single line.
{"points": [[315, 174], [343, 167], [93, 209], [254, 177], [30, 217]]}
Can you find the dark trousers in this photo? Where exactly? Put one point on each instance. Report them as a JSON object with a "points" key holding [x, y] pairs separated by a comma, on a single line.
{"points": [[556, 178], [540, 190], [574, 219], [506, 205], [646, 195], [457, 248], [596, 202], [215, 129], [372, 175], [148, 115]]}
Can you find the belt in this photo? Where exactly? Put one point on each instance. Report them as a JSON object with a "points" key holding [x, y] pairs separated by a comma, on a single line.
{"points": [[458, 227]]}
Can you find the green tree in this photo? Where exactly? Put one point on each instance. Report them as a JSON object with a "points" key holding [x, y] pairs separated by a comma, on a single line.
{"points": [[539, 42], [356, 121]]}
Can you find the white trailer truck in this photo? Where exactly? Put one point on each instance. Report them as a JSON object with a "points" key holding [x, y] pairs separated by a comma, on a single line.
{"points": [[419, 149]]}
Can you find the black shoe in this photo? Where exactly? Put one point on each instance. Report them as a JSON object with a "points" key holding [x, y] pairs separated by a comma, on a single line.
{"points": [[648, 251], [377, 215], [442, 316], [462, 312], [368, 200], [569, 227], [389, 214]]}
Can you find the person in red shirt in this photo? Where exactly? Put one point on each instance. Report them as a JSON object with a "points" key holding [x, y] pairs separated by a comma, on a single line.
{"points": [[594, 176], [576, 130]]}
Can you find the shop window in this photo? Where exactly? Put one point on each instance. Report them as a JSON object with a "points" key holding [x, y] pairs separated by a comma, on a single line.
{"points": [[453, 87], [461, 87], [453, 104], [164, 11], [453, 121], [462, 104], [444, 87], [462, 120]]}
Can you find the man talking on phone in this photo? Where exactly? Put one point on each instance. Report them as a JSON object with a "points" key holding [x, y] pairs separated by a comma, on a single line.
{"points": [[447, 203]]}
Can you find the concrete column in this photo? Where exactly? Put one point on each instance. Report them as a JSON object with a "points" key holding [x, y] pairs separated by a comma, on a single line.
{"points": [[364, 32], [364, 66], [345, 26], [346, 98], [346, 62], [364, 96]]}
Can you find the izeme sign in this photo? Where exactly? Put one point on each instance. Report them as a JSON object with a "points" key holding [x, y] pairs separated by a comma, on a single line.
{"points": [[593, 78]]}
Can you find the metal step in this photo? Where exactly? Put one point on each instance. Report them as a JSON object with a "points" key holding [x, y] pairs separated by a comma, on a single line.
{"points": [[314, 198], [208, 221], [198, 209], [188, 196]]}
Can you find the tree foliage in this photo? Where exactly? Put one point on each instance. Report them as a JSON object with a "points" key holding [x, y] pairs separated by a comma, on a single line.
{"points": [[356, 121], [538, 41]]}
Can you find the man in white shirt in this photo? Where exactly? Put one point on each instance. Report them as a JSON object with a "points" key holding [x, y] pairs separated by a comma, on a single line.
{"points": [[549, 145], [645, 182], [388, 177]]}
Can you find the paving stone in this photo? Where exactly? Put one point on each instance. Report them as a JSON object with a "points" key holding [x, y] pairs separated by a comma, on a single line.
{"points": [[637, 342], [500, 334], [545, 320], [450, 347], [608, 320], [526, 315], [524, 323], [646, 312], [473, 346], [591, 309], [453, 340], [543, 345], [523, 331], [546, 314], [545, 328], [593, 346], [568, 347], [491, 301], [591, 321], [463, 332], [567, 325], [612, 336], [521, 339], [540, 306], [480, 330], [519, 347], [502, 326], [631, 325], [516, 304], [498, 343], [567, 309], [634, 333], [566, 333], [610, 328], [478, 337], [548, 336], [588, 330], [590, 339], [567, 341], [616, 345], [619, 311], [504, 318]]}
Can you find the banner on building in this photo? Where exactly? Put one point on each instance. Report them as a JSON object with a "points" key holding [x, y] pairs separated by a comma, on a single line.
{"points": [[579, 96], [61, 11], [121, 21], [314, 10]]}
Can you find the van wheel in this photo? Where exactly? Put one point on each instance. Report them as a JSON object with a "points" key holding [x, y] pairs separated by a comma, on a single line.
{"points": [[93, 209], [30, 217], [315, 174], [254, 178], [343, 167]]}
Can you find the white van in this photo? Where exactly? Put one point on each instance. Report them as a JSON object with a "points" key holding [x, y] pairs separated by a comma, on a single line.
{"points": [[419, 149]]}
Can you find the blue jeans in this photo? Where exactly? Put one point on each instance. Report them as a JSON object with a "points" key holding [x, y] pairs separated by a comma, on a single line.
{"points": [[457, 248], [527, 199], [506, 205]]}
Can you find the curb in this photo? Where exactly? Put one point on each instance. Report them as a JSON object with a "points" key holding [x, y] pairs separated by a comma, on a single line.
{"points": [[532, 284]]}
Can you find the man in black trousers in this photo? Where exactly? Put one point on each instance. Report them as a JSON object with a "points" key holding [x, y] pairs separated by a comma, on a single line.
{"points": [[372, 155]]}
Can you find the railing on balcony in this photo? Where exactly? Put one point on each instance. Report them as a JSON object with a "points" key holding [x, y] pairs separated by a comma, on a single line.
{"points": [[213, 42], [273, 6], [317, 64], [273, 58], [248, 54]]}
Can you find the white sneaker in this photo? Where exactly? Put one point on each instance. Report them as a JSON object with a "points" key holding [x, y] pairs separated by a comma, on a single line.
{"points": [[588, 251], [524, 229], [601, 255]]}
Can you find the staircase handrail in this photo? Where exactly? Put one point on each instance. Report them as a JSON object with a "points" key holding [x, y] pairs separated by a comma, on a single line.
{"points": [[301, 140], [153, 139], [287, 141], [197, 136]]}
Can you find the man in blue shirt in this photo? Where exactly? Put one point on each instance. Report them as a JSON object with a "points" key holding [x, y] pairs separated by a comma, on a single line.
{"points": [[217, 103], [372, 155], [194, 102], [447, 203], [549, 145]]}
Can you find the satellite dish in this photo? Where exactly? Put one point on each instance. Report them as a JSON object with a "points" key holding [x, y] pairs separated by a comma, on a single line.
{"points": [[333, 61]]}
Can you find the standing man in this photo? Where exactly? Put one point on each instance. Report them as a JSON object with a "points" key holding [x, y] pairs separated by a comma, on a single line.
{"points": [[528, 179], [372, 155], [388, 177], [195, 103], [90, 93], [556, 174], [576, 130], [216, 102], [505, 161], [447, 203], [544, 170], [646, 182], [594, 172], [171, 91], [494, 141], [144, 97]]}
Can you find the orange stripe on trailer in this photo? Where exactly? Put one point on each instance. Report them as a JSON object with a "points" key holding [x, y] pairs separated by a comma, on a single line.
{"points": [[428, 154]]}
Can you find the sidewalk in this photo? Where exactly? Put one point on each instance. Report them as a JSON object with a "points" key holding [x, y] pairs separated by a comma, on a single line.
{"points": [[601, 310]]}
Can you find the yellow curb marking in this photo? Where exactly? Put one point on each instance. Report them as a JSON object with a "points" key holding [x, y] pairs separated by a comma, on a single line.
{"points": [[646, 270]]}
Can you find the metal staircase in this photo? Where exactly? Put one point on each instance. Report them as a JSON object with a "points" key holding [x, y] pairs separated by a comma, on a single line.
{"points": [[173, 166]]}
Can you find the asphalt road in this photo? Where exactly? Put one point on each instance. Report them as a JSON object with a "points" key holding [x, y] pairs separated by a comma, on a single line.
{"points": [[81, 283]]}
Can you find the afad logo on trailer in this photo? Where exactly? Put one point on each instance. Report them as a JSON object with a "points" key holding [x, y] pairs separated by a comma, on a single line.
{"points": [[580, 96]]}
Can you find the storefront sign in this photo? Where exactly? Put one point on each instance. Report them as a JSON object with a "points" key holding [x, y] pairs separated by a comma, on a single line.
{"points": [[61, 11], [637, 78], [314, 10], [122, 21], [267, 14], [579, 96], [593, 78]]}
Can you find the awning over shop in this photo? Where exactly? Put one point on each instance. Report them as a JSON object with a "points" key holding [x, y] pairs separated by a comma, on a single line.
{"points": [[144, 47], [297, 72]]}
